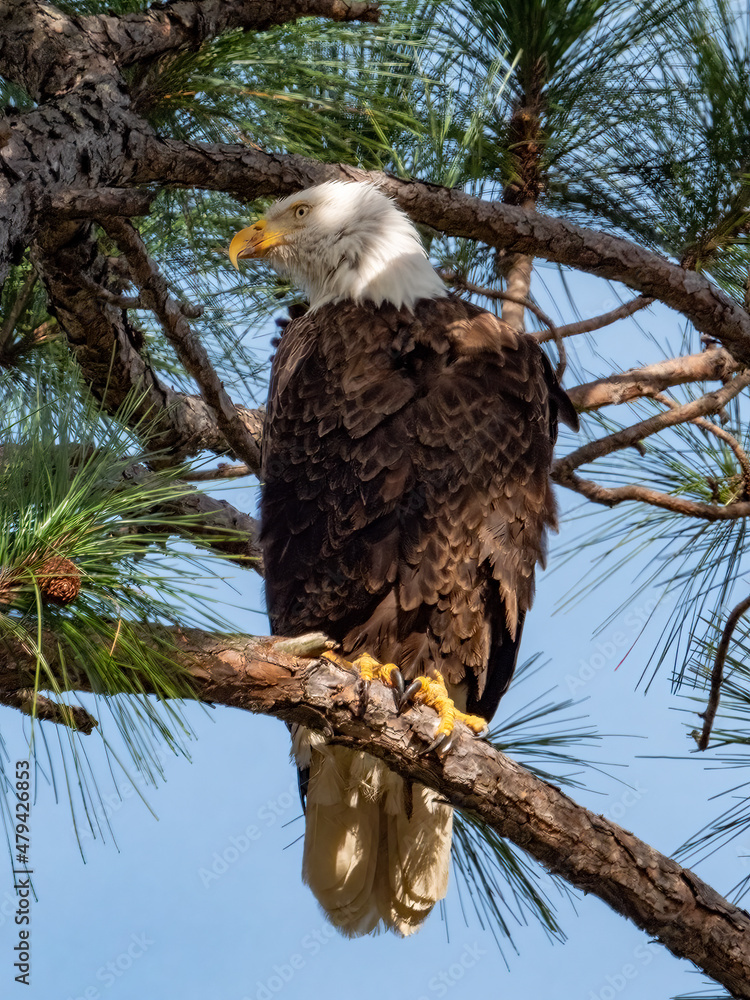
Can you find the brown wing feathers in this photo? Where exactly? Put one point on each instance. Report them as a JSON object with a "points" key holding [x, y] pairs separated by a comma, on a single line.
{"points": [[406, 490]]}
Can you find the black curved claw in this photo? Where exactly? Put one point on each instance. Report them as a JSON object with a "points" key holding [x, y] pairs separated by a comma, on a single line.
{"points": [[441, 744], [484, 733], [364, 696], [397, 683], [408, 695]]}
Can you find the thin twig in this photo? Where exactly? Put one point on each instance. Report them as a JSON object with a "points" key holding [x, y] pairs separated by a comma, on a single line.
{"points": [[717, 674], [597, 322]]}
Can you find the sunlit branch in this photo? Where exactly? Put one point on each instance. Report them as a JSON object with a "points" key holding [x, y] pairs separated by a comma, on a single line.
{"points": [[611, 496], [637, 382], [712, 402], [184, 25], [668, 901]]}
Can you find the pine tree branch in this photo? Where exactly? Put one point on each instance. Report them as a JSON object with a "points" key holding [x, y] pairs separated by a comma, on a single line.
{"points": [[668, 901], [228, 530], [40, 707], [192, 354], [637, 382], [598, 322], [611, 496], [712, 402], [253, 173], [48, 51], [87, 203], [717, 673], [459, 281], [107, 346], [222, 471], [182, 25]]}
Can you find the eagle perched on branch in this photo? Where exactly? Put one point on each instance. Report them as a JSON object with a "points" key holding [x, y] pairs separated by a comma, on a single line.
{"points": [[406, 499]]}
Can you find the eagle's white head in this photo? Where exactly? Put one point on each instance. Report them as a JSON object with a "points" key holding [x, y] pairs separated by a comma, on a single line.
{"points": [[343, 241]]}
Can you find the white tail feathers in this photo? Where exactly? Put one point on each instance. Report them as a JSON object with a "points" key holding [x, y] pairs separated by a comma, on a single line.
{"points": [[376, 853]]}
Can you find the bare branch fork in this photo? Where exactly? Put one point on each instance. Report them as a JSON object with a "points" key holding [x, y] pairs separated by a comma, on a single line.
{"points": [[563, 470], [666, 900], [714, 364]]}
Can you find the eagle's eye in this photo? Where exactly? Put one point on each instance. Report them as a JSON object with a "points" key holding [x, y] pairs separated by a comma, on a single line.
{"points": [[301, 211]]}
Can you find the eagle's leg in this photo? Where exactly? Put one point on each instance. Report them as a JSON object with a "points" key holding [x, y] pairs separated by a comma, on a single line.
{"points": [[432, 691]]}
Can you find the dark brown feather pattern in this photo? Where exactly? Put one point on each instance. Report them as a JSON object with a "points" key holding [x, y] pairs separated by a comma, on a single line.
{"points": [[406, 490]]}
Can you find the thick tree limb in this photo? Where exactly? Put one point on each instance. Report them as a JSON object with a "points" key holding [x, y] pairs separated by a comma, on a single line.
{"points": [[58, 49], [252, 173], [668, 901], [183, 25], [82, 203], [637, 382]]}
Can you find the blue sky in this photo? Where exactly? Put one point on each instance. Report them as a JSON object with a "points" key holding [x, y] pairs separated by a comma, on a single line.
{"points": [[205, 901]]}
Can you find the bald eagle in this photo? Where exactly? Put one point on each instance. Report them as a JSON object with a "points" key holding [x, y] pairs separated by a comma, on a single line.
{"points": [[405, 503]]}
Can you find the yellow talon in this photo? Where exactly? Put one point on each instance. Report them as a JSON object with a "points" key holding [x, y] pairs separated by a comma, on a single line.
{"points": [[367, 666], [433, 692]]}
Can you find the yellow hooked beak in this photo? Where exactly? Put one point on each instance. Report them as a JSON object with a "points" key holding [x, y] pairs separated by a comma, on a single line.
{"points": [[255, 241]]}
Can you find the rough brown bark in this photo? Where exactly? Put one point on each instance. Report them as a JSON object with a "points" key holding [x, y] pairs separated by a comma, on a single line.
{"points": [[637, 382], [107, 345], [668, 901]]}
